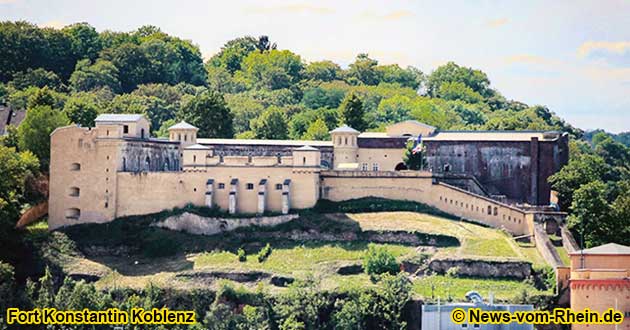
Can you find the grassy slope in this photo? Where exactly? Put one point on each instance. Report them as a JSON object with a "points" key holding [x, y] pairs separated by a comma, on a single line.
{"points": [[132, 267]]}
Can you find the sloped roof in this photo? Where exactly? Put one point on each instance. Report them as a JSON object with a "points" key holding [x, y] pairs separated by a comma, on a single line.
{"points": [[344, 129], [306, 148], [415, 122], [491, 136], [197, 147], [112, 117], [609, 249], [286, 143], [183, 125]]}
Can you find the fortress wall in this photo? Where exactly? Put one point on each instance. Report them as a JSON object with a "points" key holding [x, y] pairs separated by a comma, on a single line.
{"points": [[420, 187], [387, 159], [151, 192]]}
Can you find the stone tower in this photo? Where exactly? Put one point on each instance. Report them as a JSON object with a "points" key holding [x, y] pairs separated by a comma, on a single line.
{"points": [[345, 146], [183, 132]]}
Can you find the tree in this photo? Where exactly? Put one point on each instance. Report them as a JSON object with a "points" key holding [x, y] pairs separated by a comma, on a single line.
{"points": [[7, 286], [87, 76], [351, 112], [451, 72], [410, 77], [155, 109], [455, 90], [86, 43], [34, 132], [415, 161], [274, 69], [232, 53], [364, 70], [322, 71], [244, 108], [317, 131], [208, 112], [38, 78], [271, 124], [300, 307], [132, 63], [81, 110], [591, 215], [264, 45], [576, 173], [23, 47]]}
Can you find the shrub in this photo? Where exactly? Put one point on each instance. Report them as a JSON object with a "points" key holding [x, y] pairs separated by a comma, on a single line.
{"points": [[378, 261], [242, 257], [264, 253], [452, 272]]}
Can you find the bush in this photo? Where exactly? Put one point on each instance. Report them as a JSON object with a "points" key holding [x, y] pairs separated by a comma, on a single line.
{"points": [[378, 261], [264, 253], [452, 272], [242, 257]]}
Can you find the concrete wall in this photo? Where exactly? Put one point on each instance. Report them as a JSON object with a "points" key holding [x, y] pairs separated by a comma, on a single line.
{"points": [[421, 187]]}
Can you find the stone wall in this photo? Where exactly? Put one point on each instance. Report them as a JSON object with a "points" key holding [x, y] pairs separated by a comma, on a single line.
{"points": [[199, 225], [483, 268]]}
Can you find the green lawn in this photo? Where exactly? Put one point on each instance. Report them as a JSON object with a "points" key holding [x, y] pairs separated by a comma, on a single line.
{"points": [[564, 255]]}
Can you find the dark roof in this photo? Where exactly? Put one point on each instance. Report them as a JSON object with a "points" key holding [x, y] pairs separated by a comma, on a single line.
{"points": [[8, 116], [382, 142]]}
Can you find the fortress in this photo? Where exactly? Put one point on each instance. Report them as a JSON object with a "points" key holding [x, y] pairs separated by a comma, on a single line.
{"points": [[116, 169]]}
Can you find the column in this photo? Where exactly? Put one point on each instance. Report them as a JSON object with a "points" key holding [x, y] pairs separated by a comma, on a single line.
{"points": [[262, 196], [286, 201], [209, 191], [233, 195]]}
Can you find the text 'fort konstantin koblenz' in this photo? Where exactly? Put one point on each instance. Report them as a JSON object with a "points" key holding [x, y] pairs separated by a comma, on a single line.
{"points": [[116, 169]]}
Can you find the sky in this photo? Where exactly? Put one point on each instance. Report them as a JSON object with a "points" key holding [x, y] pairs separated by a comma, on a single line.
{"points": [[572, 56]]}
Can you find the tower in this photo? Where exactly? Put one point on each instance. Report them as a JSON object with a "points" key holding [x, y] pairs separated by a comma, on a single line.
{"points": [[183, 132], [345, 145]]}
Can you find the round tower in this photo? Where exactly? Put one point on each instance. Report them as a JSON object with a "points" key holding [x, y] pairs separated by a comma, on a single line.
{"points": [[345, 145], [183, 132]]}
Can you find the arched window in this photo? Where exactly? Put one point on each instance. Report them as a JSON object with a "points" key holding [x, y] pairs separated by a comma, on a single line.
{"points": [[496, 211], [124, 164], [179, 137], [194, 158], [147, 163], [142, 133], [346, 140], [167, 164], [185, 137], [303, 160], [489, 210]]}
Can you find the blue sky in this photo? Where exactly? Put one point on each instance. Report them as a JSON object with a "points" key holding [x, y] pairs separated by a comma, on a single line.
{"points": [[573, 56]]}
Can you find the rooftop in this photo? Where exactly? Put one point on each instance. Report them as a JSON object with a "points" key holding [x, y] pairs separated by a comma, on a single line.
{"points": [[606, 249], [491, 136], [110, 117], [182, 125], [344, 129], [197, 147], [287, 143], [306, 148]]}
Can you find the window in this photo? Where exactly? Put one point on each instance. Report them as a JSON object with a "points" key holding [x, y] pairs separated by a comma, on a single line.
{"points": [[73, 214], [346, 140], [221, 185], [374, 166], [250, 186], [279, 158], [496, 211], [147, 163], [185, 137], [74, 191], [303, 160], [278, 186], [75, 167], [194, 158], [124, 164], [364, 167], [125, 129], [142, 133], [106, 204], [489, 210]]}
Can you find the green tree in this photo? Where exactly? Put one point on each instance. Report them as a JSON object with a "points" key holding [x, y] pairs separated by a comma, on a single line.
{"points": [[208, 112], [155, 109], [233, 52], [322, 71], [576, 173], [301, 306], [244, 108], [163, 131], [275, 69], [383, 307], [591, 215], [38, 78], [23, 47], [317, 131], [86, 43], [363, 70], [81, 110], [34, 132], [46, 292], [410, 77], [451, 72], [7, 286], [87, 76], [271, 124], [456, 90], [351, 112]]}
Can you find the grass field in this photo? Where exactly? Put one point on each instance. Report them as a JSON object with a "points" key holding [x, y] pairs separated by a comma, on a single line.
{"points": [[131, 267]]}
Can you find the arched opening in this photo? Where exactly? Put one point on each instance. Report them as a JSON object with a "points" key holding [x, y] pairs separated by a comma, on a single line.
{"points": [[74, 191], [73, 213], [447, 168], [179, 137], [185, 137], [194, 158], [489, 210], [324, 164], [496, 211], [167, 164], [142, 133], [147, 163], [124, 164], [400, 167], [303, 160], [346, 140]]}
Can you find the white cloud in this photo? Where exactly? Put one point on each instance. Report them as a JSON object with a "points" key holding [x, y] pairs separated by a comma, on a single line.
{"points": [[618, 47]]}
